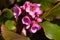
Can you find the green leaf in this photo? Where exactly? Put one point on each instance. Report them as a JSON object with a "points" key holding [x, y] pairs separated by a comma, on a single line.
{"points": [[52, 13], [52, 31], [10, 25], [45, 4], [9, 35], [7, 13]]}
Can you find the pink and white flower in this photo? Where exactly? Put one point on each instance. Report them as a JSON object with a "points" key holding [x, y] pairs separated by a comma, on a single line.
{"points": [[38, 19], [26, 20], [31, 18], [25, 5], [16, 11], [35, 27], [39, 13], [32, 9]]}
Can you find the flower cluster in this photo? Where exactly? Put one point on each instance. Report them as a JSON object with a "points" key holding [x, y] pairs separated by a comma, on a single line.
{"points": [[31, 19]]}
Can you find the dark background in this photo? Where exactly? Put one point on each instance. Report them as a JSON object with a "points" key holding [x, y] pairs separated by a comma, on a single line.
{"points": [[39, 35]]}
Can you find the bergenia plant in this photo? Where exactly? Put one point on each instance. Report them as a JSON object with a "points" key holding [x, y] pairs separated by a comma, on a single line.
{"points": [[30, 20], [33, 13]]}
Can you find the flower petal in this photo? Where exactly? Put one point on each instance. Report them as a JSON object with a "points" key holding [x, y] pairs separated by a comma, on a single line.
{"points": [[17, 11], [27, 27], [35, 27], [24, 32], [26, 20]]}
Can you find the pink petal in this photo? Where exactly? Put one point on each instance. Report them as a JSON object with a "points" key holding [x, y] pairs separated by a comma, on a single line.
{"points": [[24, 32], [27, 9], [38, 19], [17, 11], [33, 22], [27, 27], [26, 20], [26, 4], [35, 27], [39, 5], [33, 31], [39, 12]]}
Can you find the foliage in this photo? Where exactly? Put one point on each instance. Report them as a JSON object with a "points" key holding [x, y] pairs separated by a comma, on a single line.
{"points": [[51, 30], [10, 26], [8, 35]]}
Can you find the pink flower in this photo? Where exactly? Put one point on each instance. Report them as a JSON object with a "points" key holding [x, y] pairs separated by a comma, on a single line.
{"points": [[35, 27], [38, 19], [17, 11], [26, 4], [39, 13], [32, 9], [26, 20]]}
